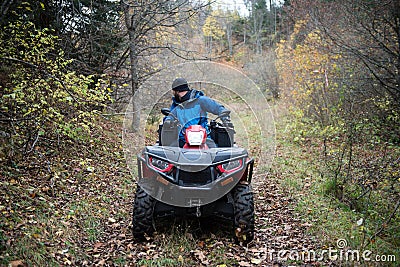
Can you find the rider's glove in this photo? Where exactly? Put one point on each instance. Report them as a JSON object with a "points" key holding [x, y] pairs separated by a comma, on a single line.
{"points": [[226, 119]]}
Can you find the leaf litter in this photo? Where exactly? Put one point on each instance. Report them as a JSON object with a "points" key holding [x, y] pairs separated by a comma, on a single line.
{"points": [[83, 218]]}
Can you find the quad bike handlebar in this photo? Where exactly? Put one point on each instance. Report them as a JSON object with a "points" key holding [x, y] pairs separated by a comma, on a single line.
{"points": [[224, 117], [222, 129]]}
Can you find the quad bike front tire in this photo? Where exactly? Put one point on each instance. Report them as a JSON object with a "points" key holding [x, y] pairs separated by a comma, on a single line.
{"points": [[243, 206], [142, 217]]}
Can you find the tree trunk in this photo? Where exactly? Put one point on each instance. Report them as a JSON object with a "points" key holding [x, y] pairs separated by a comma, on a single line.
{"points": [[136, 105], [133, 68], [229, 37]]}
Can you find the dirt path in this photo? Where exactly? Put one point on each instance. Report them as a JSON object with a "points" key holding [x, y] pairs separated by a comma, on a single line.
{"points": [[281, 236], [280, 239]]}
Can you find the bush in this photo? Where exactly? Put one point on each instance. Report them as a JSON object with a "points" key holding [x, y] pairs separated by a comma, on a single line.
{"points": [[42, 102]]}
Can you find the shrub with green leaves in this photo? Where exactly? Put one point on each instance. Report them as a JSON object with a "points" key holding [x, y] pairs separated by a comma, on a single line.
{"points": [[42, 101]]}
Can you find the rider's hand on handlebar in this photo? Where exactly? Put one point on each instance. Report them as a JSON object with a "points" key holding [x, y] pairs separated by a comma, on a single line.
{"points": [[226, 119]]}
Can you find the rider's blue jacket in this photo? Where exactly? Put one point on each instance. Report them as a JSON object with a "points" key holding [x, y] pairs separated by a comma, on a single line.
{"points": [[194, 111]]}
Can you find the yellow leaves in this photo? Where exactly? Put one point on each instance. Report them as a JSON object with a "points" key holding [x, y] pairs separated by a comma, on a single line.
{"points": [[67, 261], [180, 259], [298, 27], [36, 235], [307, 67], [212, 28]]}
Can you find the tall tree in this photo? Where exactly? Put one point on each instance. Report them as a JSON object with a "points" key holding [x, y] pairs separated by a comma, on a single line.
{"points": [[212, 30], [143, 20], [258, 11]]}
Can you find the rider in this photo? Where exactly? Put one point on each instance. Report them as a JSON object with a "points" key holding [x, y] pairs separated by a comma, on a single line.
{"points": [[190, 106]]}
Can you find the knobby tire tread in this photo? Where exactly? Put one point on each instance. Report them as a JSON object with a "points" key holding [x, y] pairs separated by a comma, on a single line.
{"points": [[142, 218], [244, 212]]}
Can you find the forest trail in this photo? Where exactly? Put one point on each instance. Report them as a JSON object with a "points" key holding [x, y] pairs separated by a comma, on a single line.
{"points": [[82, 217], [281, 238]]}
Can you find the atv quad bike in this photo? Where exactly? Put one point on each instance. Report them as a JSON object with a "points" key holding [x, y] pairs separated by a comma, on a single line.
{"points": [[197, 180]]}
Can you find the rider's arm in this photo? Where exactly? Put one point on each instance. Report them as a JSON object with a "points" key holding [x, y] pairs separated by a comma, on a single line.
{"points": [[210, 105], [171, 109], [172, 115]]}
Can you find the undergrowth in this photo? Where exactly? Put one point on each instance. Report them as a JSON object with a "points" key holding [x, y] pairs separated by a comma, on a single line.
{"points": [[57, 205], [352, 198]]}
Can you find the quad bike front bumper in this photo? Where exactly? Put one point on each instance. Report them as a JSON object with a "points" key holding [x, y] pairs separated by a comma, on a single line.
{"points": [[191, 178]]}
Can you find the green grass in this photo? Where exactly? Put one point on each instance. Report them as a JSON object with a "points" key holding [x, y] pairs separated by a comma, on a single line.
{"points": [[159, 262], [30, 250], [93, 228]]}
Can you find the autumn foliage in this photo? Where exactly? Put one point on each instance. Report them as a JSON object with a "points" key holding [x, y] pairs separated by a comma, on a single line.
{"points": [[43, 102], [339, 71]]}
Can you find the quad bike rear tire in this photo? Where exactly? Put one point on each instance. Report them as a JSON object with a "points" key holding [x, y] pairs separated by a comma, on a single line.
{"points": [[243, 213], [142, 217]]}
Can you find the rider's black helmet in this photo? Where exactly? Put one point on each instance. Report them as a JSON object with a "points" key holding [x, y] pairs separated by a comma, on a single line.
{"points": [[180, 84]]}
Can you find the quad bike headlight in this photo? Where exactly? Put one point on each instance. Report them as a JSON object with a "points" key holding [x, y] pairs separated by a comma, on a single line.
{"points": [[160, 165], [230, 166], [195, 135], [195, 138]]}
